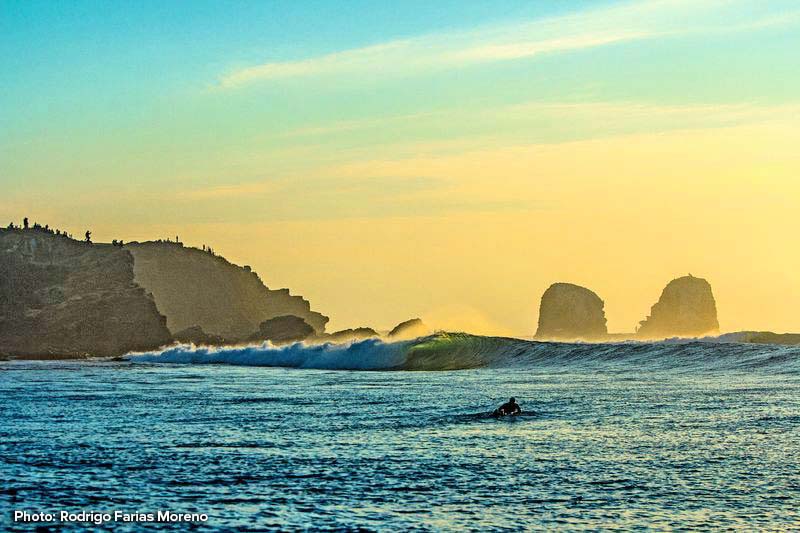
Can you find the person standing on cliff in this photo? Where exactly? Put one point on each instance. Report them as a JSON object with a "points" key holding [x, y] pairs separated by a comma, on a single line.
{"points": [[25, 222], [88, 236]]}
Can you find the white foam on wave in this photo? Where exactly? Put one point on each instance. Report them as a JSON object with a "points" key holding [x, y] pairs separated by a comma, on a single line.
{"points": [[368, 354], [446, 351]]}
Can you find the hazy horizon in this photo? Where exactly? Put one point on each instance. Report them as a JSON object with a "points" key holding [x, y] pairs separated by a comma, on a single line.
{"points": [[446, 161]]}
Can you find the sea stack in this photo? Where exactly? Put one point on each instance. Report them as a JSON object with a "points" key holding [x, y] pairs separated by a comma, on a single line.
{"points": [[571, 312], [686, 309]]}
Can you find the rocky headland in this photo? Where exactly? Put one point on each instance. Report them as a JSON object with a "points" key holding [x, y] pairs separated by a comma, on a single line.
{"points": [[64, 298], [193, 287]]}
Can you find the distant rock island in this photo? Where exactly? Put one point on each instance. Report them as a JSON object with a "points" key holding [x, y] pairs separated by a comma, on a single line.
{"points": [[686, 308], [60, 297], [571, 312]]}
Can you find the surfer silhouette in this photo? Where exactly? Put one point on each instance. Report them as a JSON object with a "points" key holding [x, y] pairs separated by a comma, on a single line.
{"points": [[511, 407]]}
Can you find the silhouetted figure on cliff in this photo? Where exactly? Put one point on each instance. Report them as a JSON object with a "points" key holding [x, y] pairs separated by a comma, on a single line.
{"points": [[88, 236], [25, 222]]}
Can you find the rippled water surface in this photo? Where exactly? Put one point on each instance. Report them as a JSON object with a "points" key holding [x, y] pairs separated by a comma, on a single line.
{"points": [[268, 448]]}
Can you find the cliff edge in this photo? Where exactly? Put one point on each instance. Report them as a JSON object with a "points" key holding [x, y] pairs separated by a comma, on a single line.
{"points": [[63, 298]]}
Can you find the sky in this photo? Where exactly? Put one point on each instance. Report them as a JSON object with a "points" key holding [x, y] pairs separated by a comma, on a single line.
{"points": [[446, 159]]}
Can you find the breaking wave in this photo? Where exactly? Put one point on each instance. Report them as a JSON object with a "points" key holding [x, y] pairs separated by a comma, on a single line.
{"points": [[368, 354], [459, 351]]}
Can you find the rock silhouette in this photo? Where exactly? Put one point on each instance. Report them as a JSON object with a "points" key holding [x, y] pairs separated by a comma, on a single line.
{"points": [[410, 329], [196, 335], [686, 308], [349, 335], [60, 298], [196, 288], [283, 329], [571, 312]]}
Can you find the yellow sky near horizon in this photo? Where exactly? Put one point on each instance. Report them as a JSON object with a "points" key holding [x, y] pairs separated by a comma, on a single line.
{"points": [[620, 215]]}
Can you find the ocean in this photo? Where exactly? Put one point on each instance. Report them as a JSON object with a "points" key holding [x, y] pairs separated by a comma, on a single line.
{"points": [[396, 436]]}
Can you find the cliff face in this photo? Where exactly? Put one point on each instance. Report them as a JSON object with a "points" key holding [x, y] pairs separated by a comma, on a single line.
{"points": [[686, 309], [571, 312], [64, 298], [195, 288]]}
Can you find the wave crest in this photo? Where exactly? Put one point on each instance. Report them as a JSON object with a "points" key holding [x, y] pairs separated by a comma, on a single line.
{"points": [[458, 351], [368, 354]]}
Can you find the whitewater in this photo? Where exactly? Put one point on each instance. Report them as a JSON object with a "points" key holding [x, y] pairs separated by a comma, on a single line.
{"points": [[460, 351], [388, 436]]}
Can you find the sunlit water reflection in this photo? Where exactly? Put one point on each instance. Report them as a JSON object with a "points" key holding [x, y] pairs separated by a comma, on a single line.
{"points": [[267, 448]]}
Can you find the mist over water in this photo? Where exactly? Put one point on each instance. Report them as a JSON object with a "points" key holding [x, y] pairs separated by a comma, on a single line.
{"points": [[620, 435]]}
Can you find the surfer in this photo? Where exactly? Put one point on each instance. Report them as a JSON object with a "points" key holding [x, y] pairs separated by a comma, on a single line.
{"points": [[511, 407]]}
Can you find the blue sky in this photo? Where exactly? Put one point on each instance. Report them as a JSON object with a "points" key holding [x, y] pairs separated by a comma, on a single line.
{"points": [[218, 119]]}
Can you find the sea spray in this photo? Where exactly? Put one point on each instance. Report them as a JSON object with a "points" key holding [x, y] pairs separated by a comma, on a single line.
{"points": [[367, 354], [458, 351]]}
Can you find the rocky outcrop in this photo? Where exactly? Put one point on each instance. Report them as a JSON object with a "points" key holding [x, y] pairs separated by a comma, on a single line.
{"points": [[283, 329], [64, 298], [192, 287], [686, 308], [410, 329], [349, 335], [571, 312], [196, 335]]}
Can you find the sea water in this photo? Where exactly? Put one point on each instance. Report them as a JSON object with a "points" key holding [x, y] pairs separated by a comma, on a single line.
{"points": [[613, 436]]}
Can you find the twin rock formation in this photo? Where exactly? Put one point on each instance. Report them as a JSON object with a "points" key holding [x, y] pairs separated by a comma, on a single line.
{"points": [[686, 308]]}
